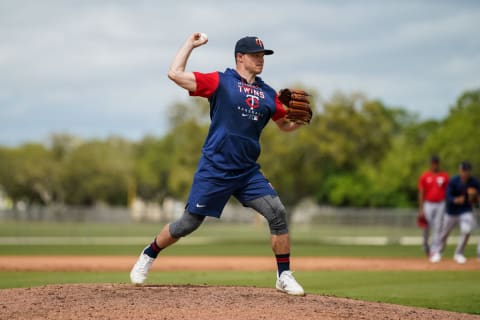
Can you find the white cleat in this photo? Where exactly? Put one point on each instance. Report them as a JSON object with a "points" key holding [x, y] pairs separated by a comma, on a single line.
{"points": [[139, 272], [435, 258], [287, 283], [459, 258]]}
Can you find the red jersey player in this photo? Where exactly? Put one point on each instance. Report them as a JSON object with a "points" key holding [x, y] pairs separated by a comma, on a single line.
{"points": [[432, 186]]}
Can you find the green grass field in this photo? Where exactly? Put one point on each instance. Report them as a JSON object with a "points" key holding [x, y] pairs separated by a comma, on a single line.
{"points": [[454, 291], [210, 239]]}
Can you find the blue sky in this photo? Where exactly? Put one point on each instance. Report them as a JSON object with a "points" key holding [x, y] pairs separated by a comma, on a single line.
{"points": [[98, 68]]}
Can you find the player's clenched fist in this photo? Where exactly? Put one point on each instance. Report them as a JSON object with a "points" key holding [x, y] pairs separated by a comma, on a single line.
{"points": [[199, 39]]}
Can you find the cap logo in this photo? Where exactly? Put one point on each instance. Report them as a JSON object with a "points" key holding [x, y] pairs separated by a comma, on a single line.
{"points": [[259, 43]]}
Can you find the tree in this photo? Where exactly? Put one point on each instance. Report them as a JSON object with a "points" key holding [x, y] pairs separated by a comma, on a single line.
{"points": [[166, 166], [61, 144], [354, 130], [325, 159], [29, 173], [355, 152], [152, 167], [98, 171], [394, 181], [457, 137]]}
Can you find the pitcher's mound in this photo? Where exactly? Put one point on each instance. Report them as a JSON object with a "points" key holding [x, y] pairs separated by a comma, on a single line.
{"points": [[122, 301]]}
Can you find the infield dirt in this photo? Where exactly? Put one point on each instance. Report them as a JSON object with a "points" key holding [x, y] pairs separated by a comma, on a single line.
{"points": [[122, 301], [165, 302], [165, 263]]}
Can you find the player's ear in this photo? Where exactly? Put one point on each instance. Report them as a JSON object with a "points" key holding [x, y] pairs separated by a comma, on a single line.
{"points": [[238, 57]]}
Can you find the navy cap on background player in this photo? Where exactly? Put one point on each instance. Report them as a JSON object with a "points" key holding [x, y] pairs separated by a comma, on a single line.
{"points": [[465, 166], [251, 45], [435, 159]]}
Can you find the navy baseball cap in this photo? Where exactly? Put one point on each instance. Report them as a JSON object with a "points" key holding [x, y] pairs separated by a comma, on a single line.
{"points": [[466, 166], [435, 159], [251, 45]]}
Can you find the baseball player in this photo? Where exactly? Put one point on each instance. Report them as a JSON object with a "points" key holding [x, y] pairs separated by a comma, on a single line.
{"points": [[462, 193], [241, 104], [432, 185]]}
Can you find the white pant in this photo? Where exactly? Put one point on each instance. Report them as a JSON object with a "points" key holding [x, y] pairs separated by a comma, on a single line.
{"points": [[434, 212], [467, 224]]}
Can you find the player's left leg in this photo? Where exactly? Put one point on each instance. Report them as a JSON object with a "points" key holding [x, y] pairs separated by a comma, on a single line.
{"points": [[429, 212], [436, 221], [207, 197], [467, 223], [170, 234], [449, 222], [274, 212]]}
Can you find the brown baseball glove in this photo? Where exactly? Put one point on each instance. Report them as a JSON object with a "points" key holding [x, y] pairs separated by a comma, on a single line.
{"points": [[472, 194], [299, 110]]}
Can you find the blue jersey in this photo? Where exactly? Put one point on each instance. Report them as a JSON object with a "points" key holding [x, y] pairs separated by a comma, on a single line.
{"points": [[238, 111], [228, 167], [456, 187]]}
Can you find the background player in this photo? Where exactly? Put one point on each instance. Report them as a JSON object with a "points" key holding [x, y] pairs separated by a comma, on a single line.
{"points": [[241, 104], [462, 192], [432, 185]]}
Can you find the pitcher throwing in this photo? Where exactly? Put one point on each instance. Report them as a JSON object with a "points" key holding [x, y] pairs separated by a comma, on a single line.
{"points": [[241, 104]]}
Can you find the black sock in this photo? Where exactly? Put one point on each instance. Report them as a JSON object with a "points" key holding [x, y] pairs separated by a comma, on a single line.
{"points": [[283, 262], [153, 249]]}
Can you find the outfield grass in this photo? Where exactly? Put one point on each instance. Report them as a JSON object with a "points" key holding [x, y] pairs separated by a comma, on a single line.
{"points": [[210, 228], [454, 291], [210, 239]]}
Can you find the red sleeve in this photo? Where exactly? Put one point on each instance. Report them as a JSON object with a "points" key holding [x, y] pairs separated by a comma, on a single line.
{"points": [[280, 110], [207, 83]]}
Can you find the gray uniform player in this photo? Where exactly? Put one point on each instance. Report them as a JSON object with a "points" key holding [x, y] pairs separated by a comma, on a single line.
{"points": [[462, 191]]}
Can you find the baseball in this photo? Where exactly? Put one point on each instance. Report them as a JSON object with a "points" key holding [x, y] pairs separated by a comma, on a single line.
{"points": [[203, 36]]}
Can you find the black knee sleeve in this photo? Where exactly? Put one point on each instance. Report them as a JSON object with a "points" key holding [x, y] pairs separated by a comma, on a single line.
{"points": [[187, 223], [273, 210]]}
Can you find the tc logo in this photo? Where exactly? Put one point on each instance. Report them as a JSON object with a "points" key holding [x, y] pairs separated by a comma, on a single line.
{"points": [[252, 101], [440, 181], [259, 43]]}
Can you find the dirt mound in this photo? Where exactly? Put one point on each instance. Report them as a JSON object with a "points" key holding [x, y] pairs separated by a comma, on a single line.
{"points": [[122, 301]]}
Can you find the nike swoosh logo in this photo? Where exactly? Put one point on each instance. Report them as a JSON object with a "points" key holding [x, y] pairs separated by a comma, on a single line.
{"points": [[201, 205]]}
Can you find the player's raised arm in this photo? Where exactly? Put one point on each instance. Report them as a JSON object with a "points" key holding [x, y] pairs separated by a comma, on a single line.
{"points": [[177, 71]]}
